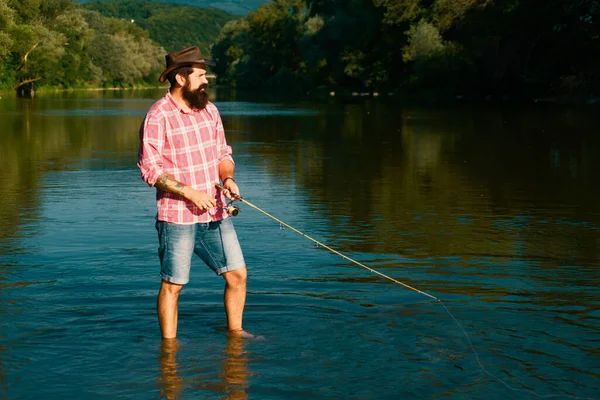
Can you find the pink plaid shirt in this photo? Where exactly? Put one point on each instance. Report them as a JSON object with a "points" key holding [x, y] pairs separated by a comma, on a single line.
{"points": [[189, 147]]}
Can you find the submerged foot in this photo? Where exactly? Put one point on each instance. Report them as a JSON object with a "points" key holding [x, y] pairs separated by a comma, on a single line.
{"points": [[240, 333]]}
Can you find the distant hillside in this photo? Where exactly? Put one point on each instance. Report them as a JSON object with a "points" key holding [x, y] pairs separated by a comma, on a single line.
{"points": [[173, 26], [237, 7]]}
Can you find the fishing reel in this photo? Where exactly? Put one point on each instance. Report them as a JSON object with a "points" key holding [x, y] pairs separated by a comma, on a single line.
{"points": [[232, 210], [229, 208]]}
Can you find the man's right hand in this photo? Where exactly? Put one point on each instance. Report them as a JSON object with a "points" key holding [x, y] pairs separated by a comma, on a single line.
{"points": [[201, 199]]}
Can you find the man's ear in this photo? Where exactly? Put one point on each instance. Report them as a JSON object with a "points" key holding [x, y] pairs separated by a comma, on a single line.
{"points": [[181, 80]]}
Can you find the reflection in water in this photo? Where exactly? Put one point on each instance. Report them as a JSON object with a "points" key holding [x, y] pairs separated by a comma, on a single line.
{"points": [[442, 179], [232, 381], [169, 383], [235, 369], [3, 370], [33, 144], [434, 176]]}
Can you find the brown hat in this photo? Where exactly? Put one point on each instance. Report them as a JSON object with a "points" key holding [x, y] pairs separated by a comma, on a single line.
{"points": [[184, 58]]}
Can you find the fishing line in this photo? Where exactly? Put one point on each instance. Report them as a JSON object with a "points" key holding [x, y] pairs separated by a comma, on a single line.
{"points": [[218, 186]]}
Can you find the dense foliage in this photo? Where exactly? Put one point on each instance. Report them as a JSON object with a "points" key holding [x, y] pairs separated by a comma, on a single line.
{"points": [[236, 7], [484, 47], [172, 26], [498, 48], [58, 43]]}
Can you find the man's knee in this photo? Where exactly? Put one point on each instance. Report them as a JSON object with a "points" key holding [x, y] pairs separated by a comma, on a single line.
{"points": [[236, 278], [170, 289]]}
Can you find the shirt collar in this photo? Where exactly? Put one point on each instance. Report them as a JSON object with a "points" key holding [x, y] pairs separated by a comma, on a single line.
{"points": [[174, 104]]}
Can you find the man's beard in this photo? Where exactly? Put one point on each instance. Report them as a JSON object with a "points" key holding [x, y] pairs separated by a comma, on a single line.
{"points": [[196, 99]]}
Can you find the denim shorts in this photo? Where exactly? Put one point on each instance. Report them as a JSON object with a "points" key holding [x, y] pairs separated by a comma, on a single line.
{"points": [[216, 243]]}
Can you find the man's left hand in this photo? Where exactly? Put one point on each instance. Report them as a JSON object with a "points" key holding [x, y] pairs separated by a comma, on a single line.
{"points": [[231, 189]]}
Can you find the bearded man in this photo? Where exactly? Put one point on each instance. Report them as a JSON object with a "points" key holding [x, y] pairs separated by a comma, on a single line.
{"points": [[183, 154]]}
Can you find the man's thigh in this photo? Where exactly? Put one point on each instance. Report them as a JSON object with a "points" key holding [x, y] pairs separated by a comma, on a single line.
{"points": [[218, 246], [176, 246]]}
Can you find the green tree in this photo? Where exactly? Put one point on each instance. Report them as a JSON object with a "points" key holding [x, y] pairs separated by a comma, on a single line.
{"points": [[27, 10], [36, 51], [7, 17], [230, 50], [57, 43], [75, 67], [51, 9], [121, 52], [262, 48], [123, 58], [352, 43], [430, 55], [400, 12]]}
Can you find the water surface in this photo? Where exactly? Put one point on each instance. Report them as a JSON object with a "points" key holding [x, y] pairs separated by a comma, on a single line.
{"points": [[495, 211]]}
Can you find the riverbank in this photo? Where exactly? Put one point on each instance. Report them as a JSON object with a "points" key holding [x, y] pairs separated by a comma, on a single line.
{"points": [[405, 95], [9, 92], [409, 96]]}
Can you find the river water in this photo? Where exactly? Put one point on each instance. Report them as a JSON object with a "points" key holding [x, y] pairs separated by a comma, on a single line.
{"points": [[494, 211]]}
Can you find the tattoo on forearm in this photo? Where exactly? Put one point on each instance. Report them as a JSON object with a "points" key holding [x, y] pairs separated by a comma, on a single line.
{"points": [[168, 184]]}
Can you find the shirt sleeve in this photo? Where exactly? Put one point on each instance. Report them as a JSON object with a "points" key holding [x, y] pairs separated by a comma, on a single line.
{"points": [[224, 151], [152, 140]]}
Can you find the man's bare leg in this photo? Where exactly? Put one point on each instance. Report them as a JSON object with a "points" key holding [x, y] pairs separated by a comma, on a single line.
{"points": [[235, 299], [167, 306]]}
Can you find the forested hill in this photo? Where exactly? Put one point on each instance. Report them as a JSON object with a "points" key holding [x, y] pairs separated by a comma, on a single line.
{"points": [[173, 26], [469, 48], [237, 7], [492, 49]]}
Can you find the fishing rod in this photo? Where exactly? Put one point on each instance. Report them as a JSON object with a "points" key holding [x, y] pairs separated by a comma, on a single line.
{"points": [[234, 211]]}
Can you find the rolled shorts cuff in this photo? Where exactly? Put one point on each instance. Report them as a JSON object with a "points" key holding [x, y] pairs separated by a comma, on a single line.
{"points": [[229, 268], [173, 280]]}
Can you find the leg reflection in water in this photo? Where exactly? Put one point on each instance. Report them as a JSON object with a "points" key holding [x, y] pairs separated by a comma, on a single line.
{"points": [[235, 368], [228, 382], [170, 384]]}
